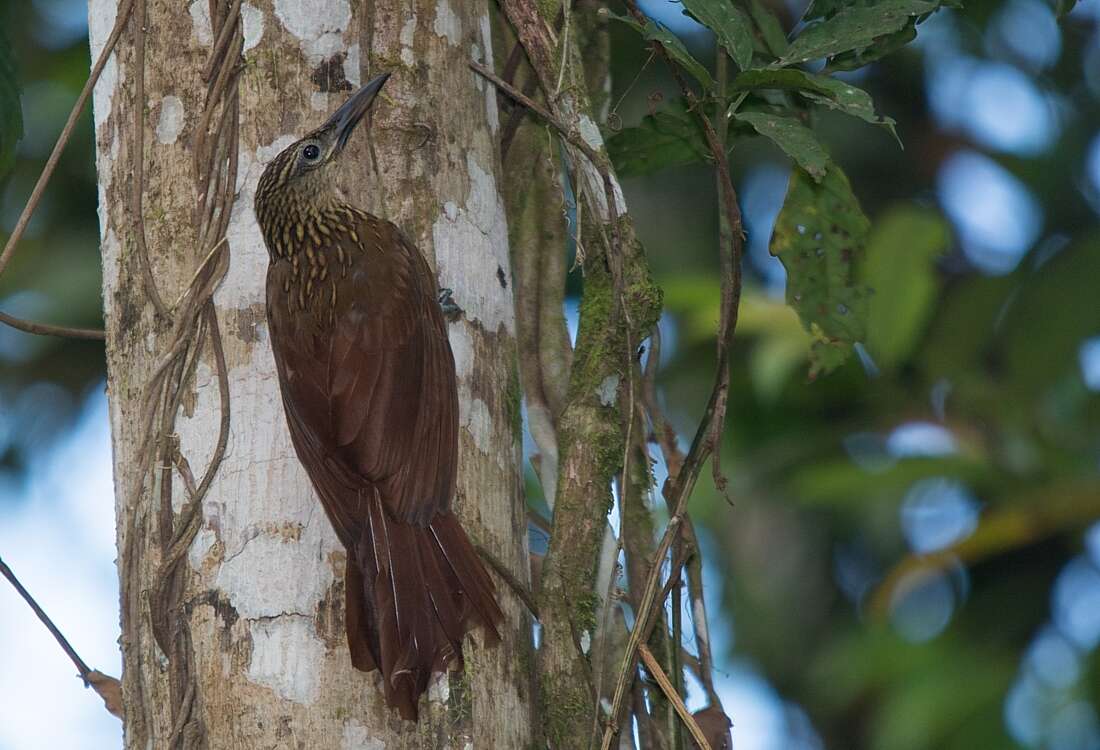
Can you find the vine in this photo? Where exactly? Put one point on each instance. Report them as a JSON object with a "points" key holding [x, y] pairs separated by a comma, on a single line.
{"points": [[194, 325]]}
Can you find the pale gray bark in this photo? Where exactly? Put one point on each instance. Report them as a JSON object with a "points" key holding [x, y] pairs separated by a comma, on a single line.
{"points": [[262, 593]]}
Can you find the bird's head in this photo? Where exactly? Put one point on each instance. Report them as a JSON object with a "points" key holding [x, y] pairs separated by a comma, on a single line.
{"points": [[300, 167]]}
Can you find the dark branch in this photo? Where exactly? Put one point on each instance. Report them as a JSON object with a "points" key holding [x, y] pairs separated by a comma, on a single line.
{"points": [[45, 329], [514, 583], [80, 665]]}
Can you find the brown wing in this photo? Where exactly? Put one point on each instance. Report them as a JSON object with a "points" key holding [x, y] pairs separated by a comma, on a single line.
{"points": [[368, 380]]}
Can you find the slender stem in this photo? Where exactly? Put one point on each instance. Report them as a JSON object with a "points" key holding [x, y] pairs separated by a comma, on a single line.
{"points": [[674, 656], [654, 668], [80, 665], [509, 578], [45, 329], [567, 133], [721, 130]]}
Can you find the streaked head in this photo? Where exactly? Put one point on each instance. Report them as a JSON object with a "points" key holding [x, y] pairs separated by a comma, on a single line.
{"points": [[303, 161]]}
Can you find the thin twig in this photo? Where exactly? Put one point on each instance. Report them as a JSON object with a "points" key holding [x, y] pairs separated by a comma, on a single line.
{"points": [[677, 643], [66, 134], [598, 162], [514, 583], [508, 73], [64, 643], [705, 671], [614, 111], [45, 329], [566, 132], [654, 669]]}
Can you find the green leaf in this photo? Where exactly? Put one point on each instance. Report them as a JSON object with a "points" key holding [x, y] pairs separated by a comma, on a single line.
{"points": [[826, 90], [668, 138], [900, 268], [1053, 310], [819, 236], [827, 8], [796, 140], [673, 46], [729, 23], [882, 47], [11, 115], [855, 28], [770, 29]]}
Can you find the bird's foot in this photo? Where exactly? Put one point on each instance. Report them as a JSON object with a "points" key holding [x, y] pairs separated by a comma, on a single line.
{"points": [[451, 311]]}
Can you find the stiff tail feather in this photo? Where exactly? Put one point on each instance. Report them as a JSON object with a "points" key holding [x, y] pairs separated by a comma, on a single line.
{"points": [[412, 593]]}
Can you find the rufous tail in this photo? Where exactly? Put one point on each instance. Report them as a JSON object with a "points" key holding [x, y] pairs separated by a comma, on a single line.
{"points": [[412, 593]]}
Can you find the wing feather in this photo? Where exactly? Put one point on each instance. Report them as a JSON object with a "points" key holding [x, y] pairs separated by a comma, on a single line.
{"points": [[375, 395]]}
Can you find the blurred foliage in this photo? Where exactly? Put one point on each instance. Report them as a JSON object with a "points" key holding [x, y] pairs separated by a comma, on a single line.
{"points": [[828, 591], [11, 112], [904, 285], [54, 274]]}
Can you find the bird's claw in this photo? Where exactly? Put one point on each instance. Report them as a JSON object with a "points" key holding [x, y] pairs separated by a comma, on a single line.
{"points": [[451, 310]]}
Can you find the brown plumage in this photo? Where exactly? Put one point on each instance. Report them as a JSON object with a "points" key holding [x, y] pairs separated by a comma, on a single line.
{"points": [[368, 385]]}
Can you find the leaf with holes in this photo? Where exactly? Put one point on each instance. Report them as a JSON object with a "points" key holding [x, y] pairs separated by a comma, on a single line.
{"points": [[796, 140], [668, 138], [729, 23], [855, 28], [673, 46], [826, 90], [819, 236], [11, 113]]}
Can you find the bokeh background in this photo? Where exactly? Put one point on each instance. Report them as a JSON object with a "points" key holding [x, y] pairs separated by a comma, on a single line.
{"points": [[909, 558]]}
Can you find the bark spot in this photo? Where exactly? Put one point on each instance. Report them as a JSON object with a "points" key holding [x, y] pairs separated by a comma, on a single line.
{"points": [[329, 75], [247, 322], [170, 123], [224, 610], [128, 313], [329, 617], [502, 278]]}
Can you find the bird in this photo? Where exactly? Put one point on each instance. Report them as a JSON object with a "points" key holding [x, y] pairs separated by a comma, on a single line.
{"points": [[367, 377]]}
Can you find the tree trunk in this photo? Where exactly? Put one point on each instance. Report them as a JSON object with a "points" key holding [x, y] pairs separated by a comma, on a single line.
{"points": [[232, 579]]}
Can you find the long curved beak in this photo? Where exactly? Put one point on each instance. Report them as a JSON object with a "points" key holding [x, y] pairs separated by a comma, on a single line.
{"points": [[344, 120]]}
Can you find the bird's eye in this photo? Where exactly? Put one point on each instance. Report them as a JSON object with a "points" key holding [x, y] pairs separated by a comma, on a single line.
{"points": [[311, 152]]}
